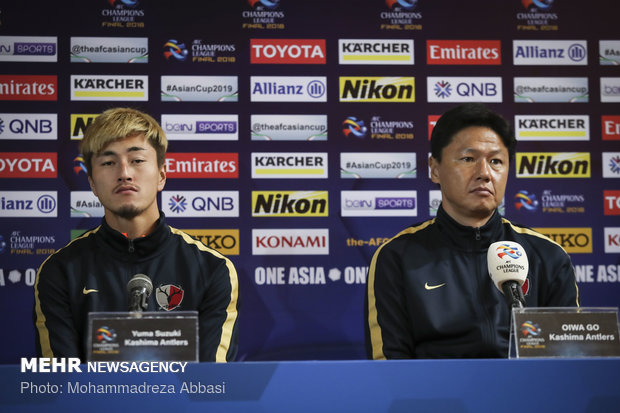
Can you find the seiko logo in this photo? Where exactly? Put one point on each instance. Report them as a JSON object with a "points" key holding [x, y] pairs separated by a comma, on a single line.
{"points": [[573, 240], [377, 89], [553, 165]]}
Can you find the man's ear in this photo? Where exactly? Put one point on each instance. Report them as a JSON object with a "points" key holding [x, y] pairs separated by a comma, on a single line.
{"points": [[162, 178], [434, 166], [92, 186]]}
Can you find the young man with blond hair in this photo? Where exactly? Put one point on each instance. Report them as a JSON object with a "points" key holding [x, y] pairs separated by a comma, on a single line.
{"points": [[124, 151]]}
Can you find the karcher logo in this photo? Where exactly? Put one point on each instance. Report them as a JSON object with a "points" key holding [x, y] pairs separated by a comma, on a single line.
{"points": [[225, 241], [79, 123], [377, 89], [553, 165], [289, 203], [573, 240]]}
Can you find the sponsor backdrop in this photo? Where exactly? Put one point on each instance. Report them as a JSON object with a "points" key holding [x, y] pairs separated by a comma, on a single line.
{"points": [[299, 138]]}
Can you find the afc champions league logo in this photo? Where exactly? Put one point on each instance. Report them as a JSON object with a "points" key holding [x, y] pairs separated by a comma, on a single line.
{"points": [[169, 296], [512, 252]]}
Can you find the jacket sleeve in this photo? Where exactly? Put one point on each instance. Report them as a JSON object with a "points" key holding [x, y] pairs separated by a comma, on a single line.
{"points": [[55, 334], [387, 330], [218, 313], [562, 286]]}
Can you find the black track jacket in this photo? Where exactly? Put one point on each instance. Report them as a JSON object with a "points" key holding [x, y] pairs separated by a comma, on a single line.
{"points": [[430, 294], [91, 274]]}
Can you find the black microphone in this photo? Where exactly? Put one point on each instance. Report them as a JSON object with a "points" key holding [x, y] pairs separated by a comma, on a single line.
{"points": [[139, 288], [508, 268]]}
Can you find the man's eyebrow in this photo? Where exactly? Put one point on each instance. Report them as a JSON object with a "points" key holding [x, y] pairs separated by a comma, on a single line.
{"points": [[113, 153]]}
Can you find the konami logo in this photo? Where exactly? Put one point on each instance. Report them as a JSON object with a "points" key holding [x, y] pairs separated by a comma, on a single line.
{"points": [[463, 52], [610, 128], [288, 51], [202, 165], [28, 87], [290, 242], [28, 165]]}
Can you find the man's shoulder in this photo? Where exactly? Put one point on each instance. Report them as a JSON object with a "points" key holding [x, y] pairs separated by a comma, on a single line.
{"points": [[187, 241], [417, 232], [531, 236], [78, 248]]}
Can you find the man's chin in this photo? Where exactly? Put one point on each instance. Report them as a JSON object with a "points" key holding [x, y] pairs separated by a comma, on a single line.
{"points": [[128, 212]]}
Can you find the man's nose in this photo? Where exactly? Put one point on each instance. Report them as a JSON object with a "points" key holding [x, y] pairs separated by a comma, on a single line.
{"points": [[124, 172], [484, 170]]}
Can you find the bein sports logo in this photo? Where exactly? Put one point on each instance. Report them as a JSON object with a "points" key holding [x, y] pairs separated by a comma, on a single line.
{"points": [[526, 201], [173, 48], [506, 249], [355, 127], [443, 89], [530, 329], [405, 4], [106, 334]]}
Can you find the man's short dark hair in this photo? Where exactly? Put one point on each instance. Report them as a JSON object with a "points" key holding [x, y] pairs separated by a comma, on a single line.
{"points": [[464, 116]]}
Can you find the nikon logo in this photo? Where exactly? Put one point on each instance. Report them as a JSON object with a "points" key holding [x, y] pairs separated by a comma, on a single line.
{"points": [[79, 123], [377, 89], [289, 203], [553, 165], [573, 240]]}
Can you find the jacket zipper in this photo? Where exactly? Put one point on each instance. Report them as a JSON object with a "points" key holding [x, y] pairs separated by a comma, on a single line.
{"points": [[490, 333], [131, 248]]}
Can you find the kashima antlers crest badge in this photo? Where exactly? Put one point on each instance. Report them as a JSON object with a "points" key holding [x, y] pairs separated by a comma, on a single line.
{"points": [[169, 296]]}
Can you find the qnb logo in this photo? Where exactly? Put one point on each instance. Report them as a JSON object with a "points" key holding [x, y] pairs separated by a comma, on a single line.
{"points": [[614, 166], [175, 49], [178, 204], [577, 52], [443, 89], [530, 329], [526, 201], [405, 4], [464, 89], [355, 127], [507, 250]]}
